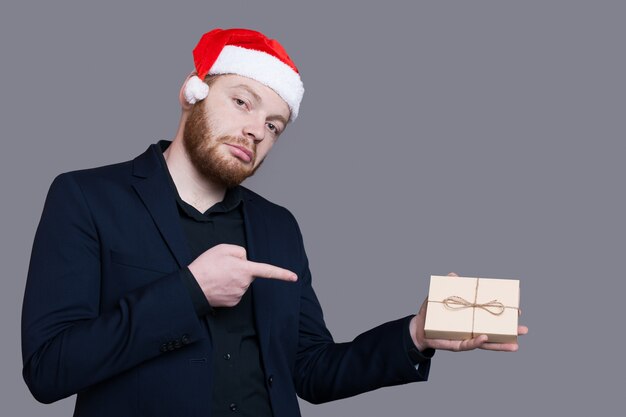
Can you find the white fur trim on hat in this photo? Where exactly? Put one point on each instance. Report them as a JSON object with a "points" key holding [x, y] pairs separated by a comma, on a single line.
{"points": [[264, 68], [195, 90]]}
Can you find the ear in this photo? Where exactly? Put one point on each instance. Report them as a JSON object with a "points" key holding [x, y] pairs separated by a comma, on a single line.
{"points": [[184, 104], [192, 91]]}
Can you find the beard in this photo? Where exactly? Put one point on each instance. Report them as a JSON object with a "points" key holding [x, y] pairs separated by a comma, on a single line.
{"points": [[203, 148]]}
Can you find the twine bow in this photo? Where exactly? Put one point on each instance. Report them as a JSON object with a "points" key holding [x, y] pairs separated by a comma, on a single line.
{"points": [[455, 302]]}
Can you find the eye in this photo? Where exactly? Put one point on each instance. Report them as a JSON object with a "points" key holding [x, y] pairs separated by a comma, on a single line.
{"points": [[239, 102], [276, 130]]}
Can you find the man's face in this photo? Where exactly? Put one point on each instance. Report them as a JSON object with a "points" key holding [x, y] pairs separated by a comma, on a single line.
{"points": [[229, 133]]}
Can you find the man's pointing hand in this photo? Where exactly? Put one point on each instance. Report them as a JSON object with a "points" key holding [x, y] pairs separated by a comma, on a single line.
{"points": [[224, 274]]}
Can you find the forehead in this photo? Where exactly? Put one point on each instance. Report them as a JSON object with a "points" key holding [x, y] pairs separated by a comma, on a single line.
{"points": [[260, 92]]}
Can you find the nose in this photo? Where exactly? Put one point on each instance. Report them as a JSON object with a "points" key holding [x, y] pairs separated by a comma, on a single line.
{"points": [[254, 129]]}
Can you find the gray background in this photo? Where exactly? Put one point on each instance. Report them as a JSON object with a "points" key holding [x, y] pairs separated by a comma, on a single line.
{"points": [[484, 138]]}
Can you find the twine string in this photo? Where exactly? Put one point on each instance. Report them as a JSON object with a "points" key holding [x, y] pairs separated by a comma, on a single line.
{"points": [[458, 303]]}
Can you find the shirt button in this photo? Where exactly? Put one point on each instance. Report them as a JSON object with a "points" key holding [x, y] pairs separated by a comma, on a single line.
{"points": [[270, 380], [233, 407], [227, 357]]}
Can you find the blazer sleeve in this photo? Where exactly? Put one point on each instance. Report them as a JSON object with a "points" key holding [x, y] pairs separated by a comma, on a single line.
{"points": [[326, 371], [68, 344]]}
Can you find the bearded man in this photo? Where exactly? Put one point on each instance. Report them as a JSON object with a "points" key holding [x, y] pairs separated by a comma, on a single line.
{"points": [[160, 286]]}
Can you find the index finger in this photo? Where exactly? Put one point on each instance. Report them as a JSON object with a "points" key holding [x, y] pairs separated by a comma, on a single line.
{"points": [[261, 270], [501, 347]]}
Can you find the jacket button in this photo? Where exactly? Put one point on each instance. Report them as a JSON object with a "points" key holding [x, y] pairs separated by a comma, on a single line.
{"points": [[227, 357], [177, 344], [270, 380], [185, 339], [164, 347], [233, 407], [170, 345]]}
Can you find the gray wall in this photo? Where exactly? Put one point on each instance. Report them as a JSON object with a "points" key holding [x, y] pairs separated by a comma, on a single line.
{"points": [[485, 138]]}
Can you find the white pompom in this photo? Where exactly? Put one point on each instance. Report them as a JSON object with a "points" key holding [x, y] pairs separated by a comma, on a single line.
{"points": [[195, 90]]}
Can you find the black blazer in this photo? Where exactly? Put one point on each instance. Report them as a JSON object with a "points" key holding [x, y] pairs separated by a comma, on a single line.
{"points": [[106, 315]]}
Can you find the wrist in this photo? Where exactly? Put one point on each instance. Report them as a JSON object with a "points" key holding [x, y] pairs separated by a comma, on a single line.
{"points": [[417, 335]]}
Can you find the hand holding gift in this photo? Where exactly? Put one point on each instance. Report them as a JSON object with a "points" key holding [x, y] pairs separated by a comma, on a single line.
{"points": [[469, 319]]}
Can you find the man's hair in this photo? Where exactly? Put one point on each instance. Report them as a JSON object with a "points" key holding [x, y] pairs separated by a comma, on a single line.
{"points": [[211, 78]]}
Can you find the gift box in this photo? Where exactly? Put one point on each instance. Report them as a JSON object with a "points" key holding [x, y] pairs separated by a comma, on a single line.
{"points": [[460, 308]]}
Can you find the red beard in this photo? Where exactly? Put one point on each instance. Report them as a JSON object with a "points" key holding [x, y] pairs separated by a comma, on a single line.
{"points": [[203, 148]]}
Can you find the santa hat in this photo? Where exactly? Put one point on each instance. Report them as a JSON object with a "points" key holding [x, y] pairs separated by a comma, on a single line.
{"points": [[250, 54]]}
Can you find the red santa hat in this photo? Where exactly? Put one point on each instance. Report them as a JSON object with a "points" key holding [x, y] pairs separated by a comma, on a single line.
{"points": [[250, 54]]}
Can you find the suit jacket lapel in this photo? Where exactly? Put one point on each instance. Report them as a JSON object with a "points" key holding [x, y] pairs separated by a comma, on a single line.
{"points": [[259, 251], [157, 195]]}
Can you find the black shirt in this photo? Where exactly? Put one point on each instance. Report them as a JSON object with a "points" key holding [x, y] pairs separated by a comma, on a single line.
{"points": [[239, 381]]}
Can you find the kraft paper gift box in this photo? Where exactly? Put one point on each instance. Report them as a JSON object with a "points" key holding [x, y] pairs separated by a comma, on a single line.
{"points": [[460, 308]]}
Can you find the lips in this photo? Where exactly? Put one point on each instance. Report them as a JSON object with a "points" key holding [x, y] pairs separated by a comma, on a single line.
{"points": [[241, 152]]}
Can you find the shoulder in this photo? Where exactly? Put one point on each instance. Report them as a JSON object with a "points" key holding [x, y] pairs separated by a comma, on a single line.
{"points": [[70, 192], [97, 179], [105, 174], [84, 185]]}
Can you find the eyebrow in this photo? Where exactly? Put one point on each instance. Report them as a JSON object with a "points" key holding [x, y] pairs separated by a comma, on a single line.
{"points": [[258, 98], [251, 91]]}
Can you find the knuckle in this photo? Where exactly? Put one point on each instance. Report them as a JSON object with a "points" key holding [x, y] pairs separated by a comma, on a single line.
{"points": [[219, 248], [239, 251]]}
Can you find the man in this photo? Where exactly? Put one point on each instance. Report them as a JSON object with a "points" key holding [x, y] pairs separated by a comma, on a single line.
{"points": [[161, 287]]}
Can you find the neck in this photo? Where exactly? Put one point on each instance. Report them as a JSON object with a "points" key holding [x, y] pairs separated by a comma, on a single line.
{"points": [[192, 187]]}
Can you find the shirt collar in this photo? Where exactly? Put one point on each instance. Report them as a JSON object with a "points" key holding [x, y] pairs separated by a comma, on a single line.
{"points": [[232, 198]]}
